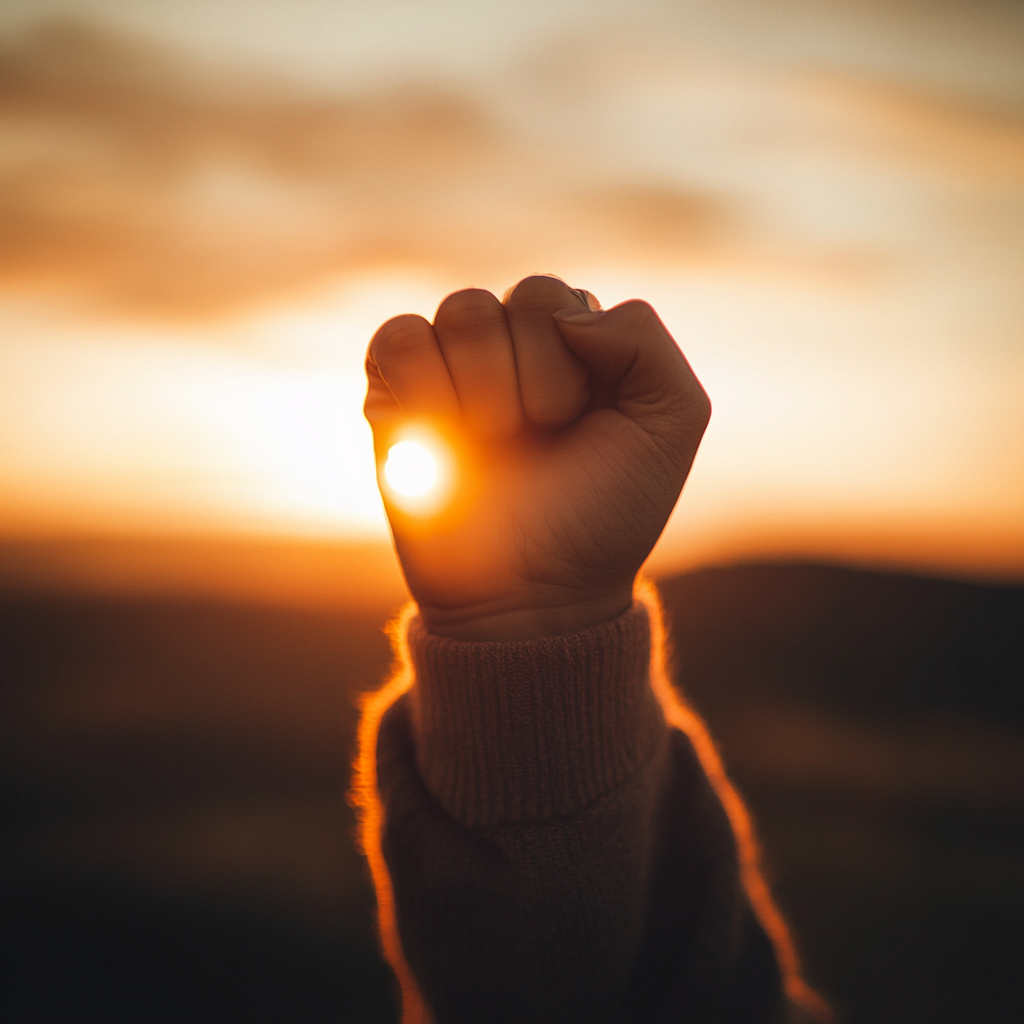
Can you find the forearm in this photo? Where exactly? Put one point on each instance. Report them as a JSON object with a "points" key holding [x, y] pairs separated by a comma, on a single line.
{"points": [[555, 851], [560, 838], [526, 922], [519, 782]]}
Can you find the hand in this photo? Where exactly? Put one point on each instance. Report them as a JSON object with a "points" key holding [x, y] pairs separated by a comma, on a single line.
{"points": [[572, 432]]}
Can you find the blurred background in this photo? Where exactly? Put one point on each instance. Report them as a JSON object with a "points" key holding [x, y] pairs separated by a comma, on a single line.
{"points": [[206, 208]]}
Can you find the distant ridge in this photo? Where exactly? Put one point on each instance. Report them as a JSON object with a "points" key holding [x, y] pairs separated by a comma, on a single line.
{"points": [[317, 574], [834, 637]]}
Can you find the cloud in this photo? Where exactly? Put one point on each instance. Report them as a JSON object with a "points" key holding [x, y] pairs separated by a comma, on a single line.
{"points": [[155, 186], [147, 184]]}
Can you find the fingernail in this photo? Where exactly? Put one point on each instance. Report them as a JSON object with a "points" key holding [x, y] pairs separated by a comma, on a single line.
{"points": [[589, 299], [574, 316]]}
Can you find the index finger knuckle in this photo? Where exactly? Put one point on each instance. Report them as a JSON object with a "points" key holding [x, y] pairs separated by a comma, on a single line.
{"points": [[397, 339]]}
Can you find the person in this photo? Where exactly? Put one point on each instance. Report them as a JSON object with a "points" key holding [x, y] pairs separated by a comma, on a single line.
{"points": [[549, 829]]}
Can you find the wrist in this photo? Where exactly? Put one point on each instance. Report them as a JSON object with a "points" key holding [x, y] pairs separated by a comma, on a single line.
{"points": [[526, 621]]}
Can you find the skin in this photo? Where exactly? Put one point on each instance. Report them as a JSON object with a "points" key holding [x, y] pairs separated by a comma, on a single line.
{"points": [[573, 432]]}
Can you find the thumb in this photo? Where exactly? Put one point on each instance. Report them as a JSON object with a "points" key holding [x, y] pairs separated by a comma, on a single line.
{"points": [[630, 346]]}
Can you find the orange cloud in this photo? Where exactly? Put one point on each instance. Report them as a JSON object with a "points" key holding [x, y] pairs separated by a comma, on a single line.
{"points": [[157, 186]]}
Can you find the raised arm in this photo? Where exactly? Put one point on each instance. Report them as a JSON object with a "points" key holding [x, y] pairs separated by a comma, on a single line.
{"points": [[545, 846]]}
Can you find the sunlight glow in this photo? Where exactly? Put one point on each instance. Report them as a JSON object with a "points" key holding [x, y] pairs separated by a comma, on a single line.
{"points": [[411, 469], [839, 279], [417, 474]]}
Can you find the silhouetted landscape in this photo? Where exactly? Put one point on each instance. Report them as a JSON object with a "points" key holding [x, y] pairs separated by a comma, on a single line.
{"points": [[178, 846]]}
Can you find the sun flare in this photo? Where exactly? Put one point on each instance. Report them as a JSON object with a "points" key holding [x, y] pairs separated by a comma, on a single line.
{"points": [[417, 474], [411, 469]]}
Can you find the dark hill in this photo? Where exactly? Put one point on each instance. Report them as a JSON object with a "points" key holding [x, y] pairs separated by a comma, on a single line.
{"points": [[875, 644], [177, 845]]}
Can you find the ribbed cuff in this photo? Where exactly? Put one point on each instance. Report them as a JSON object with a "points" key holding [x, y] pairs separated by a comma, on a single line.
{"points": [[535, 729]]}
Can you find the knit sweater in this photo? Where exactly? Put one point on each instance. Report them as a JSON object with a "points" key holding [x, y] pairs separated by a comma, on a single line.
{"points": [[547, 847]]}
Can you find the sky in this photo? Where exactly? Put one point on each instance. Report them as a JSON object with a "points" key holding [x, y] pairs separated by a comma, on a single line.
{"points": [[207, 208]]}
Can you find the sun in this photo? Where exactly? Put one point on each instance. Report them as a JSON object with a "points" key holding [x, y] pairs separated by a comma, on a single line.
{"points": [[412, 469], [417, 474]]}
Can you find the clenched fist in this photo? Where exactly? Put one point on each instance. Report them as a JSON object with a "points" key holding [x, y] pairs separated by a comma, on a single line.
{"points": [[571, 433]]}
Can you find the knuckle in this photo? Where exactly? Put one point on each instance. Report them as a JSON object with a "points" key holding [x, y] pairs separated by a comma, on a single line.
{"points": [[540, 291], [469, 311], [397, 338], [704, 406], [705, 414], [640, 312], [693, 411]]}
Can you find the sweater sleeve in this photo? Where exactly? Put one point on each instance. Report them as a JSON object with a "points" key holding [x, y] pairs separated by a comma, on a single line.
{"points": [[555, 850]]}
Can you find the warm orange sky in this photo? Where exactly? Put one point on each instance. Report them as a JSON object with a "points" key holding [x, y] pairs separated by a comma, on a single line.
{"points": [[205, 214]]}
